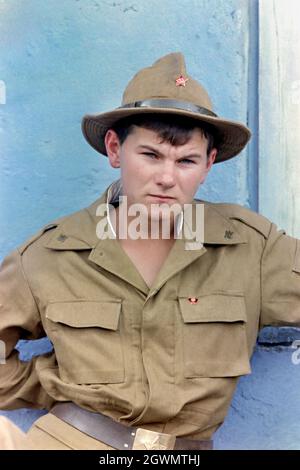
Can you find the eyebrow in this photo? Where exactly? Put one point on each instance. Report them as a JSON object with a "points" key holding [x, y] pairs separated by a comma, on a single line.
{"points": [[154, 150]]}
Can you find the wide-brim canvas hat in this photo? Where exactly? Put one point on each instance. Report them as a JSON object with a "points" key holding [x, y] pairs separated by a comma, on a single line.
{"points": [[166, 88]]}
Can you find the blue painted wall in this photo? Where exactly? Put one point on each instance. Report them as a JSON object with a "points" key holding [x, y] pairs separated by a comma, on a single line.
{"points": [[60, 60]]}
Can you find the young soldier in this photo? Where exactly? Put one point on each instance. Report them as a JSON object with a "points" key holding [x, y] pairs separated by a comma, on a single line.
{"points": [[150, 332]]}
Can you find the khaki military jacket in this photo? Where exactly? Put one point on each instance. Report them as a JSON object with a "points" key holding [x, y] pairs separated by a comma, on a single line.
{"points": [[165, 358]]}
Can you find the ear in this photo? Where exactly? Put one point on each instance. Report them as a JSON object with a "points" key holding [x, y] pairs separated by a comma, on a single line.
{"points": [[210, 160], [113, 146]]}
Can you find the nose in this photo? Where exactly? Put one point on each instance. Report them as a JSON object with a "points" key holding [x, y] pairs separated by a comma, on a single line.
{"points": [[165, 176]]}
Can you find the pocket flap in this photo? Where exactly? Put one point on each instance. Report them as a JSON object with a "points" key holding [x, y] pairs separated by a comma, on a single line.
{"points": [[213, 308], [81, 314]]}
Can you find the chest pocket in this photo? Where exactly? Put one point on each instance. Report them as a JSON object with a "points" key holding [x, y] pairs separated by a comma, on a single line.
{"points": [[86, 340], [214, 336]]}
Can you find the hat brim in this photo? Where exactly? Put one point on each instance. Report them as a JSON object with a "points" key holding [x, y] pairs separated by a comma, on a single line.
{"points": [[232, 136]]}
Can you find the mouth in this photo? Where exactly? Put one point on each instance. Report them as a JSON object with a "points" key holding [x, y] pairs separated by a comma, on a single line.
{"points": [[159, 196]]}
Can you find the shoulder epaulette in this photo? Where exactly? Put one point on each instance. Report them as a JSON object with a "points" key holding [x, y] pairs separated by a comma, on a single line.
{"points": [[38, 234], [254, 220], [237, 212]]}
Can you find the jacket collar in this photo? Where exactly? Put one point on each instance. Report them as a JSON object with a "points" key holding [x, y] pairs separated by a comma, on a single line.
{"points": [[78, 231]]}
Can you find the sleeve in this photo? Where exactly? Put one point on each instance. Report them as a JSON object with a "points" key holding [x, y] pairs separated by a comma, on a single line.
{"points": [[19, 319], [280, 280]]}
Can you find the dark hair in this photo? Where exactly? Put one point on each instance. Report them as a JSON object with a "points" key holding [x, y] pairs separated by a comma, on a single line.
{"points": [[175, 129]]}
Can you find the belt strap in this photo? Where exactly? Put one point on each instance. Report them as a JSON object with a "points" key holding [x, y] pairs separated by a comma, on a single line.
{"points": [[117, 435]]}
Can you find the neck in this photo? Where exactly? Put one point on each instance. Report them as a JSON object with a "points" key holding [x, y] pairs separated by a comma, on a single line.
{"points": [[142, 227]]}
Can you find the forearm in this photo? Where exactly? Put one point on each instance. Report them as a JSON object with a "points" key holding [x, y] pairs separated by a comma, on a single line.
{"points": [[20, 386], [19, 319]]}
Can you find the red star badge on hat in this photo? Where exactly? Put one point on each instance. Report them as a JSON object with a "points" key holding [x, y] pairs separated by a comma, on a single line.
{"points": [[181, 81]]}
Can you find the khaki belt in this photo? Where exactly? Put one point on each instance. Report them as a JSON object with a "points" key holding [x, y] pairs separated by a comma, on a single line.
{"points": [[122, 437]]}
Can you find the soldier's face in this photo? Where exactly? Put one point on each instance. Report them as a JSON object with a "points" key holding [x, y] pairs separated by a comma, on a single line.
{"points": [[151, 168]]}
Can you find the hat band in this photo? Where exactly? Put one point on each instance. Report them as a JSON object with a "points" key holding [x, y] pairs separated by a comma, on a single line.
{"points": [[165, 103]]}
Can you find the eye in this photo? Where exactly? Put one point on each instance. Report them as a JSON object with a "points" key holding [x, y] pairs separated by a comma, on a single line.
{"points": [[186, 160], [149, 154]]}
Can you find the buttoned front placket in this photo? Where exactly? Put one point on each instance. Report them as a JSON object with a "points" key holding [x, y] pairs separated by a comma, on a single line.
{"points": [[154, 315]]}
